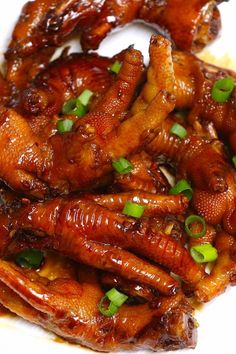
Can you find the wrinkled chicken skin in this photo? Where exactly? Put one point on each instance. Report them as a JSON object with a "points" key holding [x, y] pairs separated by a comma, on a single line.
{"points": [[215, 186], [63, 79], [69, 309], [145, 176], [194, 81], [198, 23], [155, 205], [77, 160], [130, 288], [20, 71], [192, 155], [90, 233]]}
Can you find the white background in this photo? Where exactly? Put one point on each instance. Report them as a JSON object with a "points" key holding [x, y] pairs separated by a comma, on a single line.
{"points": [[217, 331]]}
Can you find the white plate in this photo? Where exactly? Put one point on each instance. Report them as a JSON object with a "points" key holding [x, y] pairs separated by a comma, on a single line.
{"points": [[217, 319]]}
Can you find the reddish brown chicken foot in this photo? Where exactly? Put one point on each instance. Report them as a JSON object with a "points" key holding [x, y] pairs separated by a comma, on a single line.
{"points": [[192, 155], [69, 224], [81, 159], [194, 81], [223, 115], [112, 108], [69, 308], [218, 207], [21, 71], [146, 176], [223, 273], [63, 79], [85, 157], [198, 23], [154, 204]]}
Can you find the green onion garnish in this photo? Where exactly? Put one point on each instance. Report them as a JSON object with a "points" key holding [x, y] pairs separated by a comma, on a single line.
{"points": [[115, 67], [122, 166], [133, 209], [222, 89], [30, 258], [69, 106], [179, 130], [184, 187], [78, 106], [116, 298], [234, 160], [192, 219], [80, 110], [204, 253], [85, 96], [64, 125]]}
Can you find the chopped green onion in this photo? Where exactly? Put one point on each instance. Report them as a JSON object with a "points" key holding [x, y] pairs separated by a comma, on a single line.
{"points": [[69, 106], [184, 187], [204, 253], [80, 110], [30, 258], [64, 125], [122, 166], [133, 209], [234, 160], [108, 311], [222, 89], [192, 219], [179, 130], [85, 96], [116, 297], [78, 106], [115, 67]]}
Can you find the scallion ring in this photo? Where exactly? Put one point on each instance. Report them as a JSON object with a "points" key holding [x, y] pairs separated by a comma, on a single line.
{"points": [[133, 209], [183, 187], [204, 253], [64, 125], [222, 89], [178, 130], [122, 166], [69, 106], [109, 310], [192, 219], [85, 97], [115, 67], [116, 298], [30, 258]]}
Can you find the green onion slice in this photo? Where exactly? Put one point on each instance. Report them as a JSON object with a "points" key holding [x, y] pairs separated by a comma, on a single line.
{"points": [[191, 219], [122, 166], [108, 311], [115, 67], [222, 89], [85, 97], [133, 209], [234, 160], [184, 187], [116, 298], [179, 130], [80, 110], [64, 125], [204, 253], [69, 106], [30, 258]]}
